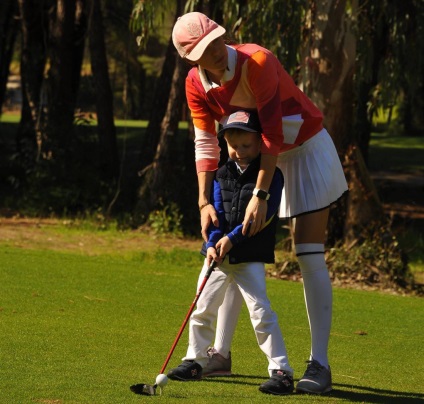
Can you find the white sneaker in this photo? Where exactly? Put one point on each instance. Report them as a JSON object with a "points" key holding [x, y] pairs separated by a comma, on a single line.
{"points": [[316, 380], [217, 364]]}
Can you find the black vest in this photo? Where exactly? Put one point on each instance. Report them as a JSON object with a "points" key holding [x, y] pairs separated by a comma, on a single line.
{"points": [[236, 191]]}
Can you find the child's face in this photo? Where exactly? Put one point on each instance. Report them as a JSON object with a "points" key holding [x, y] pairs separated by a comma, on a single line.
{"points": [[243, 147]]}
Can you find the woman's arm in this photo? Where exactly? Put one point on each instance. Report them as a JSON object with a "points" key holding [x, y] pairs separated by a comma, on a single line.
{"points": [[206, 150], [264, 80], [207, 211], [272, 207], [214, 233], [257, 208]]}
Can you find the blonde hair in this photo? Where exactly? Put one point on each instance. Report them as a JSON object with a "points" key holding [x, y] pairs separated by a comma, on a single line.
{"points": [[231, 132]]}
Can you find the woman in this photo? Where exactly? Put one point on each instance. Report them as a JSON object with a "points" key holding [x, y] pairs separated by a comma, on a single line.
{"points": [[223, 80]]}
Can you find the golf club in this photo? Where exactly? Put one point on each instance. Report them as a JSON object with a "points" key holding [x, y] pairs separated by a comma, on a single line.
{"points": [[161, 379]]}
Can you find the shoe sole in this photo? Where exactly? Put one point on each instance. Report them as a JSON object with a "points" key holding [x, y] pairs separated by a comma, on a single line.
{"points": [[218, 373], [306, 391], [274, 393], [180, 379]]}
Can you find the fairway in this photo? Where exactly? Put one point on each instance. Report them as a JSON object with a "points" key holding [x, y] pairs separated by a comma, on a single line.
{"points": [[81, 329]]}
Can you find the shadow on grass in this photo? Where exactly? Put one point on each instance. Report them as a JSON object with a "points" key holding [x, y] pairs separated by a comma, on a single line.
{"points": [[372, 395], [362, 395], [231, 379]]}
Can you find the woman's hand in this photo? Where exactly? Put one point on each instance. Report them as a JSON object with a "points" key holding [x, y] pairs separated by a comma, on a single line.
{"points": [[255, 216], [208, 214]]}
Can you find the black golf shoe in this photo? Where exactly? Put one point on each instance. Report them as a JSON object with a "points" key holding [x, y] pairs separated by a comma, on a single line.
{"points": [[187, 371], [280, 383]]}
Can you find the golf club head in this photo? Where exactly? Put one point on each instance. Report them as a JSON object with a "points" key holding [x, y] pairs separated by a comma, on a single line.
{"points": [[143, 389]]}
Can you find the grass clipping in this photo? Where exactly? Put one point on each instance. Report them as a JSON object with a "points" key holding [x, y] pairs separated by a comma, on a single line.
{"points": [[373, 262]]}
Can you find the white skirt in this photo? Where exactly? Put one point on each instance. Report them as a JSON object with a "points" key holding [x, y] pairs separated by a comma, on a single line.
{"points": [[313, 176]]}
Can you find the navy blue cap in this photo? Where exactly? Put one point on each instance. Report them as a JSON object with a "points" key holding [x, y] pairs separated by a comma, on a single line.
{"points": [[245, 120]]}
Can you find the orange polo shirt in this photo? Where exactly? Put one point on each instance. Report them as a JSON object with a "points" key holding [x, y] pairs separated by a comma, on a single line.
{"points": [[254, 79]]}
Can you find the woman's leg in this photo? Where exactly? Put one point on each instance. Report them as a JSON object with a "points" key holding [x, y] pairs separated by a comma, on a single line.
{"points": [[310, 232], [313, 178]]}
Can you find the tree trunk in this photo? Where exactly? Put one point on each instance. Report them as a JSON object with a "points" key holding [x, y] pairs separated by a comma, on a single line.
{"points": [[8, 31], [330, 64], [159, 179], [160, 99], [61, 91], [330, 60], [372, 50], [161, 184], [109, 161], [34, 30], [364, 202]]}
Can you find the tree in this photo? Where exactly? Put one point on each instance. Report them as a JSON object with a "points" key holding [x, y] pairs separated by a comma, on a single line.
{"points": [[65, 54], [33, 61], [388, 33], [108, 151], [160, 104], [123, 53], [8, 32], [161, 185], [328, 78], [50, 146], [372, 46], [158, 175]]}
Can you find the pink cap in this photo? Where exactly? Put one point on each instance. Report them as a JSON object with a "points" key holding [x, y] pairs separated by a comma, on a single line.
{"points": [[193, 32]]}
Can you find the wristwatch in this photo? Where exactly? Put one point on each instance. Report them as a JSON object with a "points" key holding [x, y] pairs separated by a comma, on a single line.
{"points": [[261, 194]]}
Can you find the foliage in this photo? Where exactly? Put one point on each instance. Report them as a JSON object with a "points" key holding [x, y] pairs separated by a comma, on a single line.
{"points": [[146, 16], [53, 188], [413, 242], [398, 28], [166, 220], [373, 261], [280, 23], [277, 25], [281, 27]]}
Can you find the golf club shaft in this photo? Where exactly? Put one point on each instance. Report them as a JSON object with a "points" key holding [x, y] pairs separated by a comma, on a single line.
{"points": [[190, 311]]}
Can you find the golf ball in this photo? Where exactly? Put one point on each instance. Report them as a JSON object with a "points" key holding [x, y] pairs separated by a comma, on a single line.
{"points": [[161, 380]]}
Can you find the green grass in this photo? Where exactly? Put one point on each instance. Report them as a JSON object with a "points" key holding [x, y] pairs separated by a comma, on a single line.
{"points": [[119, 123], [10, 118], [398, 153], [80, 329]]}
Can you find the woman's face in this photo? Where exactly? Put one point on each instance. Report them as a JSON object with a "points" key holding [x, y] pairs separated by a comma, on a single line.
{"points": [[215, 56], [243, 147]]}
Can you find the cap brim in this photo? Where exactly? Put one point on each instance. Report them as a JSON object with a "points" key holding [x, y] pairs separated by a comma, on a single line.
{"points": [[197, 52], [236, 126]]}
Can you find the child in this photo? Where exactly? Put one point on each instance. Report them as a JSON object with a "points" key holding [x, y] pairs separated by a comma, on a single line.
{"points": [[241, 258]]}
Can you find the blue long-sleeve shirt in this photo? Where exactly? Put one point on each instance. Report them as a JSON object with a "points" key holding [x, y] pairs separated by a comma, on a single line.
{"points": [[230, 195]]}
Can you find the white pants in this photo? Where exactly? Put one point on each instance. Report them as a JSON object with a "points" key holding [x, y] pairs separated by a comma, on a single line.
{"points": [[250, 279]]}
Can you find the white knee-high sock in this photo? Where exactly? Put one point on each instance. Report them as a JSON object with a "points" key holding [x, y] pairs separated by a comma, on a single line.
{"points": [[318, 297]]}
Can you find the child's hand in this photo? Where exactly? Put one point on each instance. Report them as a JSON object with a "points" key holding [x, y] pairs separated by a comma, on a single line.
{"points": [[224, 246], [211, 255]]}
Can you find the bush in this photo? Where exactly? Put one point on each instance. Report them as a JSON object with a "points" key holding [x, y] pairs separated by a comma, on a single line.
{"points": [[375, 261]]}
